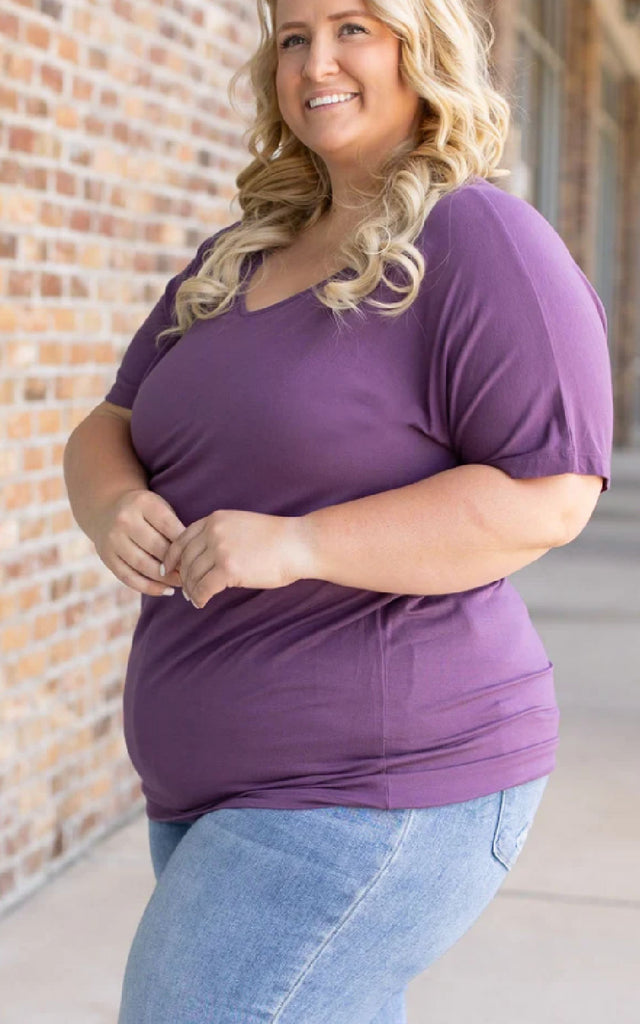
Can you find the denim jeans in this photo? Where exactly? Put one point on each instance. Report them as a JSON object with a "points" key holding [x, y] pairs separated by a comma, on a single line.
{"points": [[314, 916]]}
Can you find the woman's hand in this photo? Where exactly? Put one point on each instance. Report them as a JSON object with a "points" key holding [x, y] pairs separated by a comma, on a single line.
{"points": [[132, 536], [230, 548]]}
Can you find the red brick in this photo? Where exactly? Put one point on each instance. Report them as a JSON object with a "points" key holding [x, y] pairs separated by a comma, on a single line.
{"points": [[37, 35], [52, 77], [21, 138], [9, 25]]}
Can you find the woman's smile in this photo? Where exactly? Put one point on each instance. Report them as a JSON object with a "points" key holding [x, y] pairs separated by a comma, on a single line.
{"points": [[332, 106]]}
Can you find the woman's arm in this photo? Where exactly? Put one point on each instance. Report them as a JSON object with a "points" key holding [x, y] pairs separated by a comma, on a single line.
{"points": [[99, 463], [461, 528]]}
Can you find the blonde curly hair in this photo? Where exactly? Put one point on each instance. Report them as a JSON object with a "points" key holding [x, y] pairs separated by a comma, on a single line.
{"points": [[286, 188]]}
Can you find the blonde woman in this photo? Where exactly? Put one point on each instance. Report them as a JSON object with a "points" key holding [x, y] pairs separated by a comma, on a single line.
{"points": [[348, 420]]}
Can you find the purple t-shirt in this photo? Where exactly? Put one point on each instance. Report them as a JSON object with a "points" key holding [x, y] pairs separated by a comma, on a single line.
{"points": [[316, 694]]}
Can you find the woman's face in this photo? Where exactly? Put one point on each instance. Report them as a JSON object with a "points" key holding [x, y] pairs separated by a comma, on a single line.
{"points": [[349, 53]]}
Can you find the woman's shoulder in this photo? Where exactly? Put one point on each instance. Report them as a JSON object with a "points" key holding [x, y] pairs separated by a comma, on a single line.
{"points": [[480, 240], [483, 219], [478, 235]]}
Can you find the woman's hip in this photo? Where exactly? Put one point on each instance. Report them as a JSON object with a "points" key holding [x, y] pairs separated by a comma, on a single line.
{"points": [[317, 915]]}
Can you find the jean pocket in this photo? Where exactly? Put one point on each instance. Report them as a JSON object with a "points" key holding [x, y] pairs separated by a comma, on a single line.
{"points": [[518, 806]]}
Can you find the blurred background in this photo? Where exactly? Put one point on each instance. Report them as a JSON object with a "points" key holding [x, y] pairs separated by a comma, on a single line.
{"points": [[118, 154]]}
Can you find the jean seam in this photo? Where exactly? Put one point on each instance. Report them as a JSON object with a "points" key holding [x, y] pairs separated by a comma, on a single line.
{"points": [[497, 835], [355, 903]]}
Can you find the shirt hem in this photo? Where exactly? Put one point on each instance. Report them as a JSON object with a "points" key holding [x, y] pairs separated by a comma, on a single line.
{"points": [[397, 790]]}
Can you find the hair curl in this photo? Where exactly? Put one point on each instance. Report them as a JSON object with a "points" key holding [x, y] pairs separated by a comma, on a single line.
{"points": [[287, 188]]}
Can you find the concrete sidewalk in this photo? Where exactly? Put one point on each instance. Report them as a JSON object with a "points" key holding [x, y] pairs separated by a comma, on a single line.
{"points": [[561, 941]]}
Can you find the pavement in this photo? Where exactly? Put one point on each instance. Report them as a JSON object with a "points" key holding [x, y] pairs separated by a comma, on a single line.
{"points": [[560, 943]]}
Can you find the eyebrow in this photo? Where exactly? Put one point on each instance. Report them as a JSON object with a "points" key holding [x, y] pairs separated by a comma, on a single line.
{"points": [[332, 17]]}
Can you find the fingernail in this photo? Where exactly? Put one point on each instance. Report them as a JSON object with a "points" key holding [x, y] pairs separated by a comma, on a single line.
{"points": [[185, 595], [168, 592], [162, 569], [195, 605]]}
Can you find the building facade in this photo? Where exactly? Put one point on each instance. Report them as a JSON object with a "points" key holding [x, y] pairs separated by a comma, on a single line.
{"points": [[571, 70]]}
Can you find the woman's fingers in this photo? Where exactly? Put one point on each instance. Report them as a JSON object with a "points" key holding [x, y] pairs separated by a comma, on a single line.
{"points": [[153, 545], [136, 554], [159, 515], [138, 581], [132, 537]]}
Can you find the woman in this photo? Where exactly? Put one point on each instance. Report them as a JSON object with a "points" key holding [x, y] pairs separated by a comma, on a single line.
{"points": [[345, 423]]}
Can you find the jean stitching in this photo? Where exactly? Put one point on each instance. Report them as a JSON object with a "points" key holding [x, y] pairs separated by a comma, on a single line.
{"points": [[347, 914], [497, 848]]}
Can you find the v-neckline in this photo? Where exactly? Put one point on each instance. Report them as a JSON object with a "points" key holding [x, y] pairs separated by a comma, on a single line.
{"points": [[254, 267]]}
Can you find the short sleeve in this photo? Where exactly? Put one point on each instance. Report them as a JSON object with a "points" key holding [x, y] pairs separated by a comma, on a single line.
{"points": [[523, 336], [142, 352]]}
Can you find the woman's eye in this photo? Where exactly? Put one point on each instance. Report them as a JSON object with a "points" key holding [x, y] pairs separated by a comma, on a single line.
{"points": [[285, 44]]}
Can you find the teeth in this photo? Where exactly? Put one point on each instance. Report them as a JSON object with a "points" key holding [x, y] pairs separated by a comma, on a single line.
{"points": [[339, 97]]}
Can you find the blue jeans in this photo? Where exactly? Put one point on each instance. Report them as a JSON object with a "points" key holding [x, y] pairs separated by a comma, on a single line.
{"points": [[314, 916]]}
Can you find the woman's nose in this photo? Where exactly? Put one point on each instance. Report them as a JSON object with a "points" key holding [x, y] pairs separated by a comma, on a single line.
{"points": [[320, 59]]}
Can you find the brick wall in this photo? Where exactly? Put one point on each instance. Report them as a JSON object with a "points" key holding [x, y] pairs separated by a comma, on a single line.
{"points": [[118, 153]]}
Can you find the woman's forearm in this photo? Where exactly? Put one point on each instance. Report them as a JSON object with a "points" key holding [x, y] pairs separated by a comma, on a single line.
{"points": [[99, 463], [461, 528]]}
